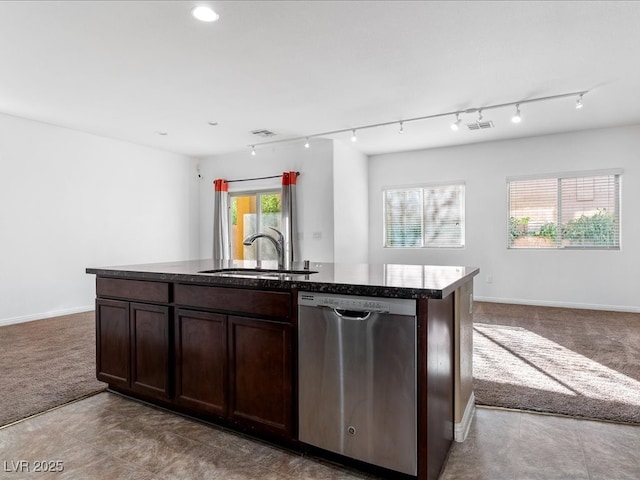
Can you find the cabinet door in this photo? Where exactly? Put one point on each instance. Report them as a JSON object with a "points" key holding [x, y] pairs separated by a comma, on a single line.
{"points": [[112, 342], [260, 374], [200, 345], [150, 349]]}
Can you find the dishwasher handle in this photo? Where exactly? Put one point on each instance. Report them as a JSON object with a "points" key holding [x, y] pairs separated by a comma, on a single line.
{"points": [[352, 314]]}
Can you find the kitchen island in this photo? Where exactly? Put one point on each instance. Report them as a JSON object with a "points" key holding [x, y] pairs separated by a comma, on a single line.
{"points": [[218, 340]]}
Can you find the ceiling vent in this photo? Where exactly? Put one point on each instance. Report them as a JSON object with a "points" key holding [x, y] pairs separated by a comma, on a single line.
{"points": [[480, 125], [263, 133]]}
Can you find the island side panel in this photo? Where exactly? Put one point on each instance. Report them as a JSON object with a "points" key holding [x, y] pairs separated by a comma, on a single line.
{"points": [[435, 385], [464, 400]]}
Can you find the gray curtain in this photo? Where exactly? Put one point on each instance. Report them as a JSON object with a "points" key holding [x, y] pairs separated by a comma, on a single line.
{"points": [[289, 221], [221, 250]]}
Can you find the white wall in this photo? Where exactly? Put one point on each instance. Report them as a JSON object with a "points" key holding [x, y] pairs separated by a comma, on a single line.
{"points": [[70, 200], [588, 279], [350, 204], [314, 190]]}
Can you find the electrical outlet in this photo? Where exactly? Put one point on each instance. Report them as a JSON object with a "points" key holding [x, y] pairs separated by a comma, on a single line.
{"points": [[489, 278]]}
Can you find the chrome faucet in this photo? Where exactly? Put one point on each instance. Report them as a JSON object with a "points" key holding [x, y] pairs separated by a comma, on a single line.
{"points": [[277, 243]]}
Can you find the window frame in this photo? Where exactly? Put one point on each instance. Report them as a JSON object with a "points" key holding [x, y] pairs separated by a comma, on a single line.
{"points": [[425, 186], [258, 193], [558, 177]]}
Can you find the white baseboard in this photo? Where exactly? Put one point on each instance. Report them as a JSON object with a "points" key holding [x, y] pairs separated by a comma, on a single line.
{"points": [[461, 430], [40, 316], [543, 303]]}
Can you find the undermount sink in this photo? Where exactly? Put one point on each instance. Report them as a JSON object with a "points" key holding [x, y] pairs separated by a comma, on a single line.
{"points": [[257, 272]]}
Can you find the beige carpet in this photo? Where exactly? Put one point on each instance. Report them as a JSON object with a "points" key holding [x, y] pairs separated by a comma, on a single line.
{"points": [[46, 363], [583, 363]]}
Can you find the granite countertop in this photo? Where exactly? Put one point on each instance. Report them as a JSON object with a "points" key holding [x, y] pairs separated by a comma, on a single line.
{"points": [[381, 280]]}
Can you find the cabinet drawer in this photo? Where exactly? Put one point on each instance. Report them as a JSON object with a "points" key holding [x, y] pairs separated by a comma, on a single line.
{"points": [[157, 292], [245, 301]]}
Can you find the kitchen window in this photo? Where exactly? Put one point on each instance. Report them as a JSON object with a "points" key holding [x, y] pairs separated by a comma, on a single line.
{"points": [[574, 210], [429, 216], [250, 213]]}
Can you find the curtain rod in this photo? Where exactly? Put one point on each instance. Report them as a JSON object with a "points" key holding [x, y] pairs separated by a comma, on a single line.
{"points": [[258, 178]]}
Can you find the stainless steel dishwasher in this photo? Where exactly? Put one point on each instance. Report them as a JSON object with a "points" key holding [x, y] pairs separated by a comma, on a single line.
{"points": [[357, 378]]}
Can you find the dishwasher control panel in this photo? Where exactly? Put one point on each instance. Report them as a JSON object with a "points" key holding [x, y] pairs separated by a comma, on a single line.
{"points": [[353, 304], [356, 303]]}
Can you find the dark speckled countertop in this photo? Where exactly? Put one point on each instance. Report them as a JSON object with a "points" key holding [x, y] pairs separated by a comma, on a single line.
{"points": [[379, 280]]}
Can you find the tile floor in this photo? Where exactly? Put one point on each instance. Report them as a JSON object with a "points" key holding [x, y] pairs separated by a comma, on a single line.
{"points": [[515, 445], [110, 437]]}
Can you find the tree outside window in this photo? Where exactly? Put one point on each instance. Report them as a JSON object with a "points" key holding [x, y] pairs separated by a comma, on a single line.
{"points": [[572, 211]]}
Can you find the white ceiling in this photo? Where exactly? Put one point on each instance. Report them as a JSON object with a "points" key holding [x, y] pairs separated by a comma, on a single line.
{"points": [[129, 69]]}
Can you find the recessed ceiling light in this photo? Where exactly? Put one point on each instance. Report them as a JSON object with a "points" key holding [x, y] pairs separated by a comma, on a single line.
{"points": [[162, 133], [205, 14]]}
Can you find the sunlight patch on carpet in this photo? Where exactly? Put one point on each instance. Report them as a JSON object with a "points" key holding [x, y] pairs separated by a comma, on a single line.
{"points": [[517, 356]]}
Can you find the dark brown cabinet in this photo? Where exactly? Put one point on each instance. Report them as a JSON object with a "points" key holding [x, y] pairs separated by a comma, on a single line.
{"points": [[220, 353], [150, 349], [112, 345], [233, 355], [200, 344], [238, 368], [132, 338], [260, 371]]}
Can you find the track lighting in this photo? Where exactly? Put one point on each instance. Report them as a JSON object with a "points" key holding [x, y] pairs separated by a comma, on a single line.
{"points": [[516, 116], [455, 126]]}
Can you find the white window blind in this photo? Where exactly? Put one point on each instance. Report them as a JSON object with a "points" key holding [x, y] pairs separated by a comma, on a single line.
{"points": [[429, 216], [565, 211]]}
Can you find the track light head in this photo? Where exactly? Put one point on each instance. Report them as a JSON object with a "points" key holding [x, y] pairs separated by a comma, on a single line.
{"points": [[353, 136], [253, 150], [579, 103], [306, 142], [455, 126], [480, 117], [516, 116], [401, 128]]}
